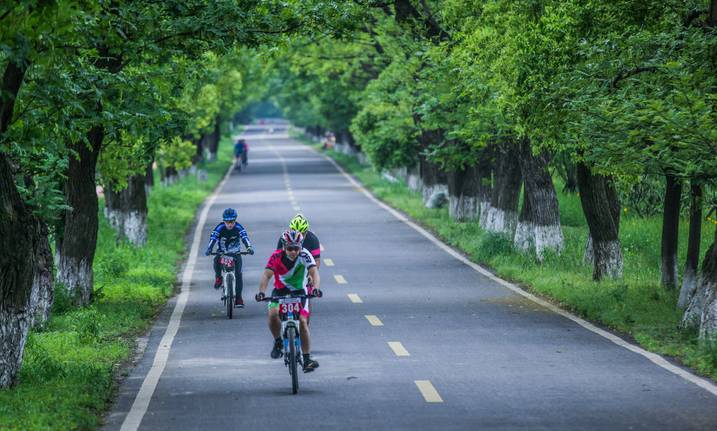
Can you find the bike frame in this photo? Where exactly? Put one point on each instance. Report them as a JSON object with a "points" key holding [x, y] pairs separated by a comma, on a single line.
{"points": [[290, 322]]}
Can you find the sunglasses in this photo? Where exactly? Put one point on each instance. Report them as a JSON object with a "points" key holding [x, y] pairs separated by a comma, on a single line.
{"points": [[293, 248], [230, 221]]}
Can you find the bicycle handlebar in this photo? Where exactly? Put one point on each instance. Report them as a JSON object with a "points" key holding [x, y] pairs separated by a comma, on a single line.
{"points": [[216, 253], [291, 295]]}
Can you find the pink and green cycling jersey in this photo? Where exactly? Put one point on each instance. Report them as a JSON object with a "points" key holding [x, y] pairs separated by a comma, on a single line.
{"points": [[291, 274]]}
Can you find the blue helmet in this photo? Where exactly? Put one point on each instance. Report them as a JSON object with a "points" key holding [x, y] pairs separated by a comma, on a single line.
{"points": [[229, 214]]}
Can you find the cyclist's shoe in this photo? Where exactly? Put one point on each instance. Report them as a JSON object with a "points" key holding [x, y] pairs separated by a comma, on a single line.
{"points": [[310, 365], [276, 350], [239, 302], [217, 282]]}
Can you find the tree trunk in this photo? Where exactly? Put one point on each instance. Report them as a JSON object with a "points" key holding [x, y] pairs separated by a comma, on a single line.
{"points": [[434, 182], [215, 137], [126, 210], [43, 290], [689, 278], [414, 178], [539, 223], [614, 203], [199, 145], [19, 234], [469, 190], [571, 180], [19, 240], [80, 235], [670, 231], [702, 309], [170, 176], [501, 216], [463, 189], [598, 201], [149, 177]]}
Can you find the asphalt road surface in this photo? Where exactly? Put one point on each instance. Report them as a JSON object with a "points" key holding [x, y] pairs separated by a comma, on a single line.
{"points": [[407, 336]]}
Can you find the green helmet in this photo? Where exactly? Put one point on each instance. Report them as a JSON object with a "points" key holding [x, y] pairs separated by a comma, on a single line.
{"points": [[299, 223]]}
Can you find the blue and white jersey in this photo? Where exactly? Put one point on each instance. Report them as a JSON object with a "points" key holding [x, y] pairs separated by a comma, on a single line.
{"points": [[228, 238]]}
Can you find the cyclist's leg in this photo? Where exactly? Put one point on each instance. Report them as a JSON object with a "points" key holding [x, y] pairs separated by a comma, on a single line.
{"points": [[304, 325], [275, 328], [238, 274], [217, 272], [274, 322], [217, 267]]}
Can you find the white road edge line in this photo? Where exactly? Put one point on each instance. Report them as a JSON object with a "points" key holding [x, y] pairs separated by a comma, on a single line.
{"points": [[144, 396], [653, 357]]}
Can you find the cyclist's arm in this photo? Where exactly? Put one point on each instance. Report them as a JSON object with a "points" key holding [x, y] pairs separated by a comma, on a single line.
{"points": [[315, 279], [264, 281], [244, 236]]}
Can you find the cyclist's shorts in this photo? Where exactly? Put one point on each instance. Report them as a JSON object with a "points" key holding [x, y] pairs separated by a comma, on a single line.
{"points": [[285, 291]]}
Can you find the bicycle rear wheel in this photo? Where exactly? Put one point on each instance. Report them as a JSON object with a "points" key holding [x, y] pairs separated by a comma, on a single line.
{"points": [[292, 361], [230, 296]]}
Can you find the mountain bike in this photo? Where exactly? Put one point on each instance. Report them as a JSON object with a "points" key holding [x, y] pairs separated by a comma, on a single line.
{"points": [[227, 260], [289, 310]]}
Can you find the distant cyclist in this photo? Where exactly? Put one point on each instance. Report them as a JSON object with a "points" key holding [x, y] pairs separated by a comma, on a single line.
{"points": [[227, 235], [241, 151], [311, 241], [291, 268]]}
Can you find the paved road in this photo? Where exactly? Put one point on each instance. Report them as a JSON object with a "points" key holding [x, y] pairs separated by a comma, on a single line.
{"points": [[495, 360]]}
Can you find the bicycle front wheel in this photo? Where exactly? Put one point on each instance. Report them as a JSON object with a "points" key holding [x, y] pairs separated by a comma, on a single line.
{"points": [[293, 361], [230, 296]]}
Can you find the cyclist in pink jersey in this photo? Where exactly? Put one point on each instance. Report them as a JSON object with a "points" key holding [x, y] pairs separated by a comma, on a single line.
{"points": [[291, 268]]}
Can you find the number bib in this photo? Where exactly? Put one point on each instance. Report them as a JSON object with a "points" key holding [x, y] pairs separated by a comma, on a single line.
{"points": [[290, 305]]}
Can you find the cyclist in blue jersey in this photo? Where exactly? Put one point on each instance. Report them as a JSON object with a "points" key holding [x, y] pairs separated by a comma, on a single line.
{"points": [[227, 235]]}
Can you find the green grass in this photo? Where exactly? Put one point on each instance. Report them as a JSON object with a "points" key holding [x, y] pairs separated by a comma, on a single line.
{"points": [[70, 366], [636, 305]]}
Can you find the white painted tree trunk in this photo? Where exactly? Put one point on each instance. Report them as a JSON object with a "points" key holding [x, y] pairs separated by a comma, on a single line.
{"points": [[76, 277], [589, 254], [414, 182], [463, 208], [708, 323], [548, 238], [608, 256], [500, 221], [523, 238], [688, 289], [14, 325], [131, 225], [43, 293]]}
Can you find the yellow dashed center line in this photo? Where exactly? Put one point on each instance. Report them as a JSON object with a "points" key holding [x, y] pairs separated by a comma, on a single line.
{"points": [[328, 262], [374, 320], [430, 394], [354, 298], [398, 348], [340, 279]]}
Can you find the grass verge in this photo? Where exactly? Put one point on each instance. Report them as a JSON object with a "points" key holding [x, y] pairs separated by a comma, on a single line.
{"points": [[68, 376], [636, 306]]}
